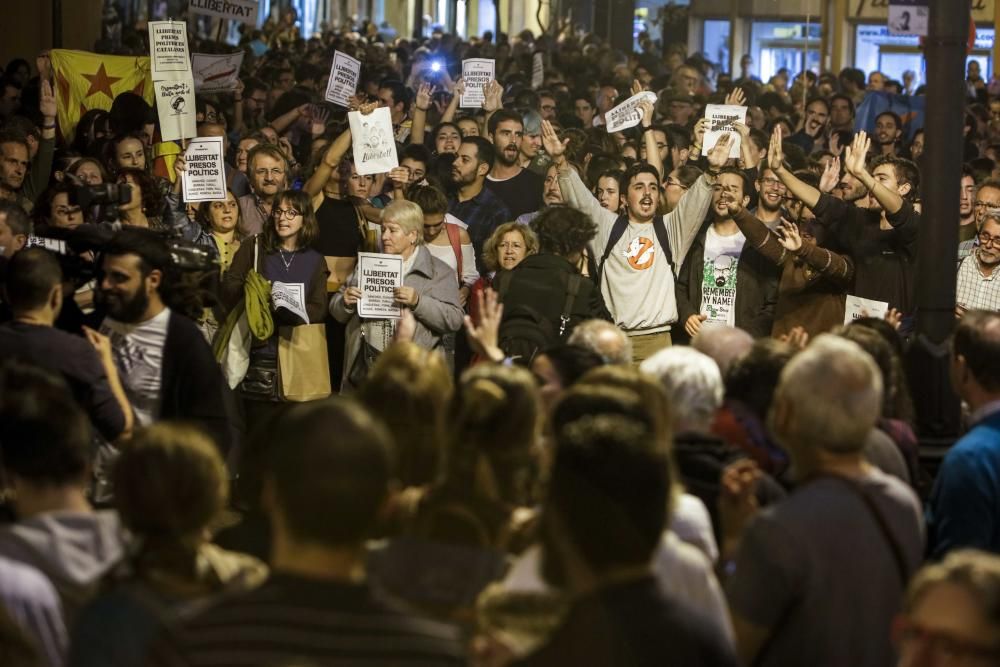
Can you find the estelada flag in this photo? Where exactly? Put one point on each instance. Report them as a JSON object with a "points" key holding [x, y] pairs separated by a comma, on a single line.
{"points": [[87, 81]]}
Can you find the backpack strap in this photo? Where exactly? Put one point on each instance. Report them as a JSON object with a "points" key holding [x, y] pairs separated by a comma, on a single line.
{"points": [[455, 238], [660, 229], [571, 291], [617, 232]]}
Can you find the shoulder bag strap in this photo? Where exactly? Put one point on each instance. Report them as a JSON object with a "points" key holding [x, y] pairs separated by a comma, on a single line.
{"points": [[455, 238], [571, 291]]}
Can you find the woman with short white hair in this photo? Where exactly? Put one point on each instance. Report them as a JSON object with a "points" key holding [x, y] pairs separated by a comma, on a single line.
{"points": [[429, 292]]}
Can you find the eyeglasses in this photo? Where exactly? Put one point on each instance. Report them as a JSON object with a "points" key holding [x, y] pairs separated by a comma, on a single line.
{"points": [[944, 644], [548, 107], [986, 240], [772, 183], [978, 204], [676, 184], [289, 213]]}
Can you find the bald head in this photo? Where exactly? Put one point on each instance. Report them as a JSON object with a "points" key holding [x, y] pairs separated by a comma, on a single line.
{"points": [[605, 339], [725, 344]]}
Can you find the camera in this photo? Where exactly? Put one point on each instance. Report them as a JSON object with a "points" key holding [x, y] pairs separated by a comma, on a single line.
{"points": [[103, 200]]}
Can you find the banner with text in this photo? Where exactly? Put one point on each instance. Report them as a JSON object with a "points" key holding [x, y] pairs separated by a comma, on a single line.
{"points": [[378, 277], [627, 114], [204, 177], [244, 11], [476, 73], [721, 119], [344, 74], [373, 141], [857, 307]]}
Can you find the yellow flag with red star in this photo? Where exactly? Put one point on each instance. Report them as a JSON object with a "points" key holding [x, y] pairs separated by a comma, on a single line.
{"points": [[87, 81]]}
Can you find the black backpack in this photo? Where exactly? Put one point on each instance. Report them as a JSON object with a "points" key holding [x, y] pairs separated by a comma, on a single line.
{"points": [[524, 332]]}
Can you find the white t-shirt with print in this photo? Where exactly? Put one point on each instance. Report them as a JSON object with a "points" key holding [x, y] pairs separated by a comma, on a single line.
{"points": [[138, 353], [718, 278]]}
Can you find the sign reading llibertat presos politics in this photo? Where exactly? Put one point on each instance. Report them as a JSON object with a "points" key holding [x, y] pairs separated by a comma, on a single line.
{"points": [[378, 277], [244, 11], [476, 73], [344, 74], [373, 141], [204, 175], [721, 120], [627, 114]]}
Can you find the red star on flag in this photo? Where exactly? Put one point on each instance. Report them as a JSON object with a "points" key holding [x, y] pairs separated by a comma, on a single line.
{"points": [[101, 82]]}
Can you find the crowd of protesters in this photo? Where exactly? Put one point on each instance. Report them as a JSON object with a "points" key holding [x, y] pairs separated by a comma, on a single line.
{"points": [[619, 421]]}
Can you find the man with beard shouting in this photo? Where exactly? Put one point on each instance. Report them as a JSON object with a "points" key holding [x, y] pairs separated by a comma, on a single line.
{"points": [[637, 251], [520, 189], [723, 280], [166, 366]]}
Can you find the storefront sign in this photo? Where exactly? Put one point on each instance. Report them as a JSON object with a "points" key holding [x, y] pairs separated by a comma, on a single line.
{"points": [[982, 10]]}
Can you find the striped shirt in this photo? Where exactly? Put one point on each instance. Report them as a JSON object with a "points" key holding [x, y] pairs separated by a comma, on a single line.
{"points": [[293, 620], [973, 290]]}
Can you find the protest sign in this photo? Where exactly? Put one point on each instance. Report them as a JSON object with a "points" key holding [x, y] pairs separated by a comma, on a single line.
{"points": [[216, 73], [857, 307], [378, 277], [373, 141], [168, 50], [627, 114], [344, 73], [537, 70], [175, 107], [721, 118], [244, 11], [908, 17], [291, 297], [476, 73], [204, 178]]}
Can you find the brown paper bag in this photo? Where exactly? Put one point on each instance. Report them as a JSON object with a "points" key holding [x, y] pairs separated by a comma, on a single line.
{"points": [[303, 363]]}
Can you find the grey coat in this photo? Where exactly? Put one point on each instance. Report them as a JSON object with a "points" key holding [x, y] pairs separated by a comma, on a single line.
{"points": [[438, 311]]}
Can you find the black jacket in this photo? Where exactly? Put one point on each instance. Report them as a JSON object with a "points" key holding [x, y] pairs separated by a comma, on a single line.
{"points": [[193, 388], [542, 281], [756, 291]]}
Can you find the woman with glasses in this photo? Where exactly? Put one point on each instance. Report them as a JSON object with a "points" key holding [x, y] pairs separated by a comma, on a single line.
{"points": [[282, 254]]}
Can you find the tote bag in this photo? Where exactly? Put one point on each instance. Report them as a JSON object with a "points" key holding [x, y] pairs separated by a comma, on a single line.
{"points": [[303, 364]]}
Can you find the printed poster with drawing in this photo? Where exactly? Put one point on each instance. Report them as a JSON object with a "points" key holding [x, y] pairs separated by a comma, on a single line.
{"points": [[344, 73], [374, 143], [627, 114], [476, 73], [721, 118], [857, 307], [378, 277], [168, 50], [175, 108], [216, 73]]}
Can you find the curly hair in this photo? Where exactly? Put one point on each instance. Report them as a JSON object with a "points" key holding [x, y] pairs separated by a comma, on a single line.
{"points": [[563, 231], [152, 198], [491, 249]]}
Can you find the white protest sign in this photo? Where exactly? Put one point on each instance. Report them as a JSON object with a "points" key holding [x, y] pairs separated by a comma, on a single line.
{"points": [[175, 107], [291, 297], [373, 141], [857, 307], [344, 74], [721, 118], [908, 17], [168, 50], [244, 11], [627, 114], [476, 73], [378, 277], [204, 177], [216, 73], [537, 70]]}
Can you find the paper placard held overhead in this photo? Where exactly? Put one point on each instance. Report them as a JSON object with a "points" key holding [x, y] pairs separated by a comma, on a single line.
{"points": [[627, 114], [378, 277], [721, 118], [175, 107], [168, 50], [476, 73], [216, 73], [204, 178], [291, 297], [373, 142], [857, 307], [537, 70], [344, 74], [244, 11]]}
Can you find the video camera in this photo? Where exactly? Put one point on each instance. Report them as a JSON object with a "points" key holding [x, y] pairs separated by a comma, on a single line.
{"points": [[103, 201]]}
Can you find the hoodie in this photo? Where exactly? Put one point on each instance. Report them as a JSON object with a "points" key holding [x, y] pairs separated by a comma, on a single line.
{"points": [[73, 549]]}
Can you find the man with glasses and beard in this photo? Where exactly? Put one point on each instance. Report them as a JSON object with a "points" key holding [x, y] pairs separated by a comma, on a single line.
{"points": [[987, 201], [771, 194], [978, 287], [166, 366]]}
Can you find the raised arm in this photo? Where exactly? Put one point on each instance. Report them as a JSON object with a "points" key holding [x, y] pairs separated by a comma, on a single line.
{"points": [[684, 221], [760, 238], [449, 112], [420, 105], [331, 159], [854, 163], [649, 138], [284, 121], [573, 189], [775, 160]]}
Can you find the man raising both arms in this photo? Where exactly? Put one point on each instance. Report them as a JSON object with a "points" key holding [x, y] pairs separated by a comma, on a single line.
{"points": [[637, 285]]}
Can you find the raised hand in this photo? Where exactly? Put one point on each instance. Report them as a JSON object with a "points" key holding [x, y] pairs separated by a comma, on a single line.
{"points": [[493, 92], [699, 132], [790, 238], [484, 337], [831, 175], [636, 87], [855, 154], [319, 118], [400, 177], [775, 156], [424, 96], [47, 101], [835, 146], [718, 155], [554, 146], [366, 109], [44, 65], [736, 97], [646, 107], [459, 87]]}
